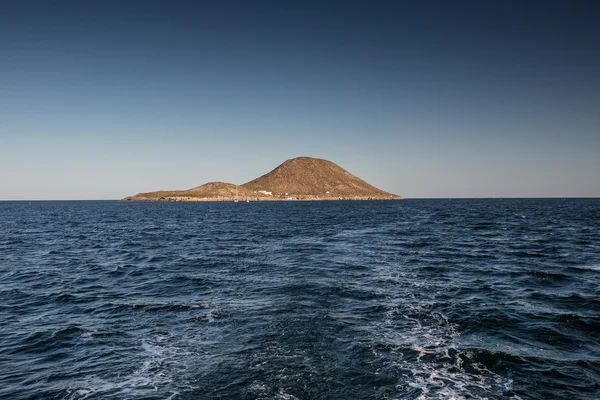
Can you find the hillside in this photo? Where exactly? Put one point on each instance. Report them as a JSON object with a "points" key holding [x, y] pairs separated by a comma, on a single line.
{"points": [[313, 178], [302, 178], [212, 191]]}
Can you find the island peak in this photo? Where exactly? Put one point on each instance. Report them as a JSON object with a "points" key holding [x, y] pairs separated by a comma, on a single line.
{"points": [[300, 178]]}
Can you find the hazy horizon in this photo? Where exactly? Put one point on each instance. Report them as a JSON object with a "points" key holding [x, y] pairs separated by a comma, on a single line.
{"points": [[406, 198], [425, 100]]}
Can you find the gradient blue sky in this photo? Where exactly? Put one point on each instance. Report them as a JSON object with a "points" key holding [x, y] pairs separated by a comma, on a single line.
{"points": [[102, 99]]}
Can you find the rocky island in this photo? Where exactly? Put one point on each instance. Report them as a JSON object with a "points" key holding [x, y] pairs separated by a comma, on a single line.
{"points": [[302, 178]]}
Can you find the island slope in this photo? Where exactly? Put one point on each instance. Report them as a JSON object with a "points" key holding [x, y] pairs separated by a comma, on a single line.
{"points": [[302, 178], [308, 178]]}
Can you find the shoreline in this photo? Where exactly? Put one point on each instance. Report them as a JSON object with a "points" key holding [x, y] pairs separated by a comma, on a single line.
{"points": [[224, 200]]}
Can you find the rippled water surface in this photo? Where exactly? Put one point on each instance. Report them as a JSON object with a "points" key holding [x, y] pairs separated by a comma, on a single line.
{"points": [[418, 299]]}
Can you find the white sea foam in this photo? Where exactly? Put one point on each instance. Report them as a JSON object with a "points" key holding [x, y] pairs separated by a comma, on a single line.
{"points": [[159, 364], [437, 367], [89, 335], [427, 346], [285, 396]]}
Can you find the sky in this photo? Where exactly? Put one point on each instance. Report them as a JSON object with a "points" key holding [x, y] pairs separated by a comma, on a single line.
{"points": [[104, 99]]}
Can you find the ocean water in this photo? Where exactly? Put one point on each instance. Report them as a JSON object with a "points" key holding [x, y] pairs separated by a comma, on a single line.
{"points": [[418, 299]]}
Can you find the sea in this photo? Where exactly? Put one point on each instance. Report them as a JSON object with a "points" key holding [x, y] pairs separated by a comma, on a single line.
{"points": [[414, 299]]}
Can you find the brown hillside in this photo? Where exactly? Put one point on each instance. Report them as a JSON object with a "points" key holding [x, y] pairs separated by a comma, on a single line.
{"points": [[314, 178], [212, 191], [302, 178]]}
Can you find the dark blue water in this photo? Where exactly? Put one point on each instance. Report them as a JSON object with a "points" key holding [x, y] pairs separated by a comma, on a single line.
{"points": [[419, 299]]}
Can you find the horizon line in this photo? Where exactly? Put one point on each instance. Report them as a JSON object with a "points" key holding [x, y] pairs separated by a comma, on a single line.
{"points": [[404, 198]]}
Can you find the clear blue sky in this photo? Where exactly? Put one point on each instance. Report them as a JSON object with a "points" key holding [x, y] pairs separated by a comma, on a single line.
{"points": [[102, 99]]}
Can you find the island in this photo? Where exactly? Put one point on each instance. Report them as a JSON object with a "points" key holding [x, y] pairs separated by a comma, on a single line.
{"points": [[301, 178]]}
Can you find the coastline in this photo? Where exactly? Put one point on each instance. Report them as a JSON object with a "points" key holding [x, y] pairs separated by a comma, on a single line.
{"points": [[228, 199]]}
